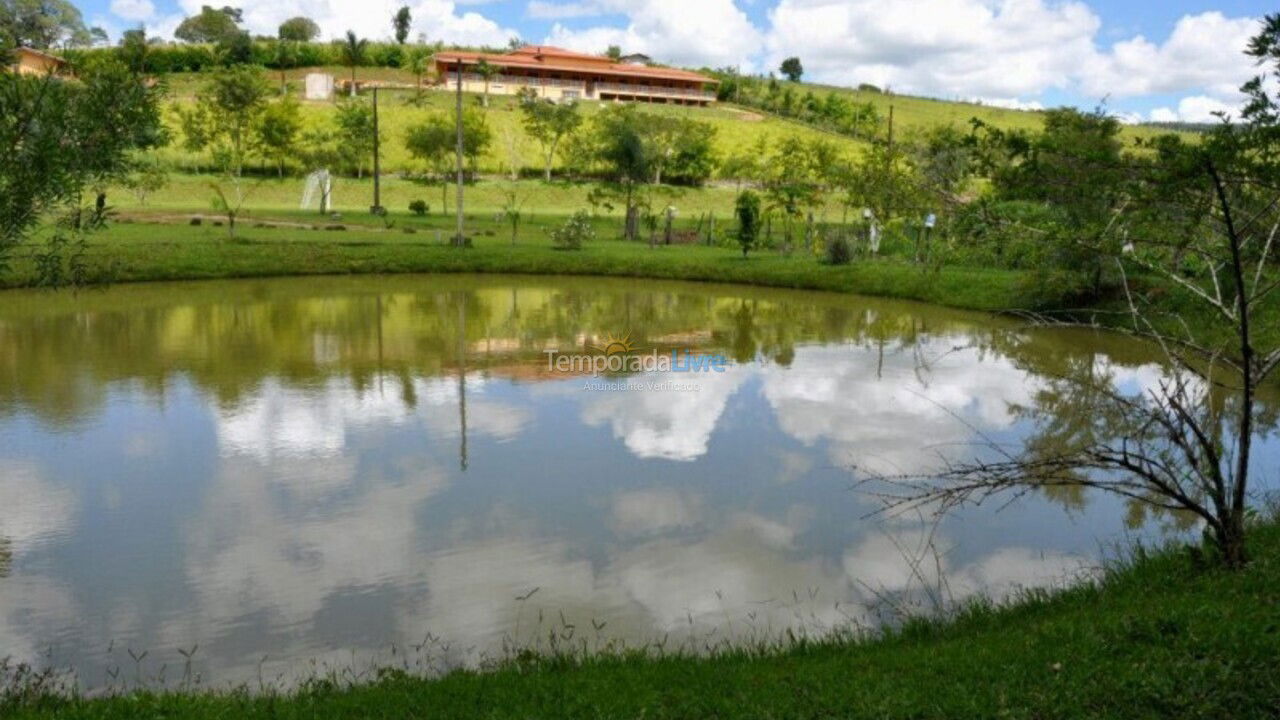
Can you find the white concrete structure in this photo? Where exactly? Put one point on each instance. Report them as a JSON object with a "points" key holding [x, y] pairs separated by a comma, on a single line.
{"points": [[319, 86]]}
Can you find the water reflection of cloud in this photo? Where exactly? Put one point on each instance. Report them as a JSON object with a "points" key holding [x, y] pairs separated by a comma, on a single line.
{"points": [[34, 513], [886, 420], [32, 509], [661, 423], [656, 510], [288, 423]]}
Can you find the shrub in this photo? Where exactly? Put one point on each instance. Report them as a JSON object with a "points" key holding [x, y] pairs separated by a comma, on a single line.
{"points": [[419, 208], [839, 251], [577, 231]]}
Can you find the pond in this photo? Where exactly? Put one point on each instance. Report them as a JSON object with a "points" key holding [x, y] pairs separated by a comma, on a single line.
{"points": [[249, 481]]}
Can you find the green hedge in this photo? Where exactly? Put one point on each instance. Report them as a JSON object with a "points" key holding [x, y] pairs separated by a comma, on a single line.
{"points": [[163, 59]]}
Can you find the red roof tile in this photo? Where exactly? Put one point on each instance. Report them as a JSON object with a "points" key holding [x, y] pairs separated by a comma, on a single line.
{"points": [[537, 57]]}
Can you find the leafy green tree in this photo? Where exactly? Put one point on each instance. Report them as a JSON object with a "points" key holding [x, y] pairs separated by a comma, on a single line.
{"points": [[298, 29], [1075, 166], [211, 25], [279, 131], [620, 147], [418, 63], [791, 69], [353, 126], [354, 53], [64, 138], [793, 184], [229, 108], [402, 21], [550, 123], [147, 175], [235, 49], [42, 24], [134, 49], [434, 141], [284, 55], [747, 208], [614, 52]]}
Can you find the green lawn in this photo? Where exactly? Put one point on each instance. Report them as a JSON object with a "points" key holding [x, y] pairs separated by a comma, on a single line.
{"points": [[147, 251], [1165, 636]]}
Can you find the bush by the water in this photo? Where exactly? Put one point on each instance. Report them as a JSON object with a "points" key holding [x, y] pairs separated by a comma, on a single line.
{"points": [[839, 251], [574, 233]]}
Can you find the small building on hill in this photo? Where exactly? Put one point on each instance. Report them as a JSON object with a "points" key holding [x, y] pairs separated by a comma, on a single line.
{"points": [[28, 61], [557, 74]]}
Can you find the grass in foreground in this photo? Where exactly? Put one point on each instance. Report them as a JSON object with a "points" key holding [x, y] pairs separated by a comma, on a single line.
{"points": [[137, 252], [1163, 636]]}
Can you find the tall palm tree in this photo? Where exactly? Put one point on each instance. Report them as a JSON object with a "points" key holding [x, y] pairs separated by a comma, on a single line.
{"points": [[353, 55], [486, 72]]}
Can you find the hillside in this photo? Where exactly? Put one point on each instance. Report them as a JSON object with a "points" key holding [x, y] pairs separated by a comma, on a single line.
{"points": [[737, 130]]}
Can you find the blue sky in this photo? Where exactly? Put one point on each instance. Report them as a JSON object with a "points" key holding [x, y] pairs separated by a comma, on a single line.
{"points": [[1176, 59]]}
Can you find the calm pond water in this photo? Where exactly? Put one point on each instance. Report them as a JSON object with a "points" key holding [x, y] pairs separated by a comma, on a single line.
{"points": [[331, 472]]}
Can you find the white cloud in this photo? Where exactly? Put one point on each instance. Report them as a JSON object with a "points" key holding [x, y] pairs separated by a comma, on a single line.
{"points": [[1008, 52], [707, 32], [1195, 109], [1204, 52], [1010, 48], [133, 9]]}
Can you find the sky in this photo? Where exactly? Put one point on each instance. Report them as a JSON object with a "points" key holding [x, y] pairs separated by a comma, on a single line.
{"points": [[1163, 60]]}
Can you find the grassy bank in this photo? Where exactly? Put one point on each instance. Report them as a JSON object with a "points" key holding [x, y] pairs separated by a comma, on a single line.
{"points": [[139, 252], [1165, 635]]}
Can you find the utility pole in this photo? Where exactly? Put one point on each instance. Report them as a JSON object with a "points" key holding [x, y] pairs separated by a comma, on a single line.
{"points": [[377, 158], [458, 239]]}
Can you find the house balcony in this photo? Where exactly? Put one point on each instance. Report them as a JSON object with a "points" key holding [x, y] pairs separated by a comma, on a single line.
{"points": [[566, 87], [626, 90]]}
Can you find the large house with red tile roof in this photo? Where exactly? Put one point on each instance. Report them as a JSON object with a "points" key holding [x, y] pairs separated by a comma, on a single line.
{"points": [[557, 74]]}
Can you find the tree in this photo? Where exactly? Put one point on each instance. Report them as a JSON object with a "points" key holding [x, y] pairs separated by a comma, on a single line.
{"points": [[512, 207], [211, 25], [619, 139], [402, 21], [298, 29], [614, 52], [63, 138], [279, 131], [793, 183], [549, 123], [1185, 441], [434, 141], [419, 61], [42, 24], [1073, 165], [284, 55], [792, 69], [235, 49], [228, 109], [354, 50], [747, 208], [353, 125], [133, 50], [486, 72]]}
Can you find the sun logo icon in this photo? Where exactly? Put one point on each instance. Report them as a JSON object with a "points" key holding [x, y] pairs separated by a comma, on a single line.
{"points": [[616, 345]]}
